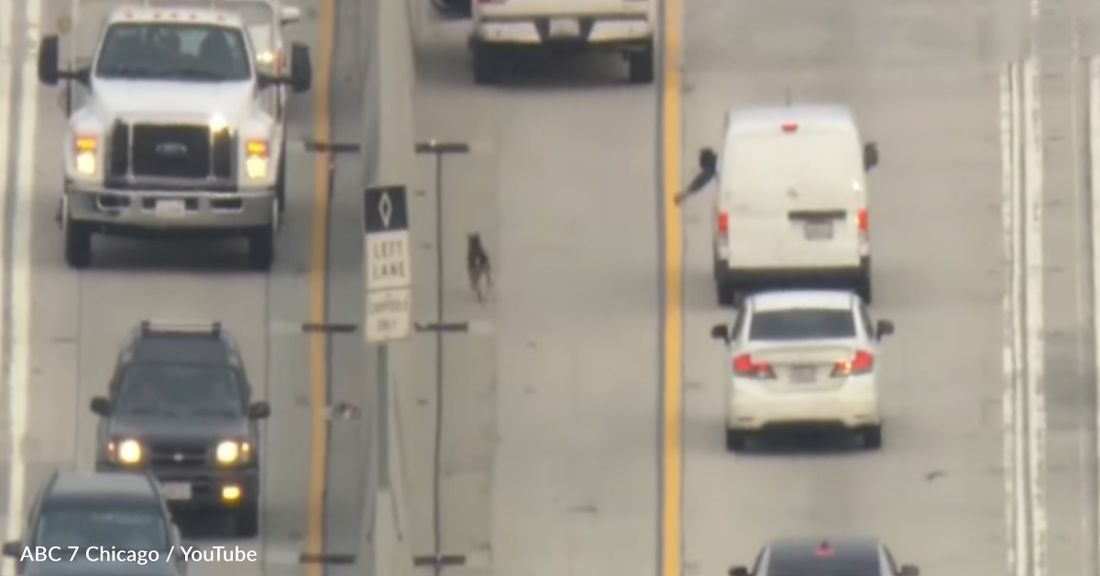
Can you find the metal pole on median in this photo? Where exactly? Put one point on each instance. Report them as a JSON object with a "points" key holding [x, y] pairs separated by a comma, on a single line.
{"points": [[439, 150]]}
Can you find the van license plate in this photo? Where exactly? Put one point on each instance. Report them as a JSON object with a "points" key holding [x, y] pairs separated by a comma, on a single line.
{"points": [[818, 230], [564, 28], [170, 208]]}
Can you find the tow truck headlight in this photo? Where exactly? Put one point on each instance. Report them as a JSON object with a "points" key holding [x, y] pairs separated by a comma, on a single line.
{"points": [[85, 148], [256, 159], [218, 123], [232, 452], [126, 451]]}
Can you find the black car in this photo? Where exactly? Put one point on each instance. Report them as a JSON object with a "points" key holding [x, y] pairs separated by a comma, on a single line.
{"points": [[78, 518], [180, 405], [825, 557]]}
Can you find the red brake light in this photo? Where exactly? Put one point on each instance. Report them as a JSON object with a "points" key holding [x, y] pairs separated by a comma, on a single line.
{"points": [[744, 365], [790, 127], [861, 363], [824, 550], [863, 219], [723, 222]]}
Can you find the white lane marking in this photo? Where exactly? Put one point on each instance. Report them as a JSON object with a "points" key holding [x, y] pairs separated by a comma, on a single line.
{"points": [[21, 269], [1033, 302], [1009, 181], [1023, 399], [7, 57], [1094, 194]]}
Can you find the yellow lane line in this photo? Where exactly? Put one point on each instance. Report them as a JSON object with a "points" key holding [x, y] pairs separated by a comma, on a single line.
{"points": [[318, 369], [672, 343]]}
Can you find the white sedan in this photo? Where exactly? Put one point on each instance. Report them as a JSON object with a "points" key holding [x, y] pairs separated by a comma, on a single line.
{"points": [[802, 358]]}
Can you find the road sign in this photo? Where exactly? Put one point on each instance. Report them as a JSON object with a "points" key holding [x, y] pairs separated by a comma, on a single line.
{"points": [[388, 263], [389, 314]]}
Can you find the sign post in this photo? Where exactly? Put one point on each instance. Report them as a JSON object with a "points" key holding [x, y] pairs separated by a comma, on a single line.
{"points": [[388, 270]]}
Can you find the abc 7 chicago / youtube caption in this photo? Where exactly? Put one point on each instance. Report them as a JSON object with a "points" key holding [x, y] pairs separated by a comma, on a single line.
{"points": [[45, 554]]}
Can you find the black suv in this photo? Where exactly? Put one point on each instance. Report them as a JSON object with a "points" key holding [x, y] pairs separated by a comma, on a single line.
{"points": [[76, 518], [179, 404], [825, 557]]}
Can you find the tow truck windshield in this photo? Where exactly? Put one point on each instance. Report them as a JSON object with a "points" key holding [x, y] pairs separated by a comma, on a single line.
{"points": [[173, 51]]}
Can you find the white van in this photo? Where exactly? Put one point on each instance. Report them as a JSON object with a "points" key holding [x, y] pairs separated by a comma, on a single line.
{"points": [[791, 206], [505, 27]]}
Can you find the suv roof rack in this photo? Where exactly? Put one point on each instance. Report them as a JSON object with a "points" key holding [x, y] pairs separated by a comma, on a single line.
{"points": [[149, 327]]}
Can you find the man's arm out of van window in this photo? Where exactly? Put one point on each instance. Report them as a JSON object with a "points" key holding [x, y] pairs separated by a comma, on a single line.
{"points": [[697, 184]]}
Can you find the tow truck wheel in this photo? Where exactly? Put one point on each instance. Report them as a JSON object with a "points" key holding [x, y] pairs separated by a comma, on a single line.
{"points": [[261, 242], [280, 182], [78, 244], [642, 65], [246, 521]]}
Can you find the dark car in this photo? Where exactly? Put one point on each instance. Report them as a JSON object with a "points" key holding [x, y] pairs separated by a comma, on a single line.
{"points": [[825, 557], [180, 405], [77, 518]]}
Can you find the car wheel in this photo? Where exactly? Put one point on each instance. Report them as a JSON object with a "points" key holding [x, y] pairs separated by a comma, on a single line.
{"points": [[642, 66], [246, 521], [736, 441], [486, 65], [871, 437], [78, 243]]}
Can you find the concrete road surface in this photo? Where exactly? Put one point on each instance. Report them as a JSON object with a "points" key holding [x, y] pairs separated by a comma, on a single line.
{"points": [[66, 327]]}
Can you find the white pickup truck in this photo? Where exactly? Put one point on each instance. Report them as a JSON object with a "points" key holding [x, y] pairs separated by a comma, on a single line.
{"points": [[176, 120]]}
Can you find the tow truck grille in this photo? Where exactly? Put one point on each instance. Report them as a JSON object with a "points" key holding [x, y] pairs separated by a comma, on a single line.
{"points": [[170, 151]]}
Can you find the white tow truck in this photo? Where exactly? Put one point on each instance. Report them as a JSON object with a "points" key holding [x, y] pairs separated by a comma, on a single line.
{"points": [[176, 120]]}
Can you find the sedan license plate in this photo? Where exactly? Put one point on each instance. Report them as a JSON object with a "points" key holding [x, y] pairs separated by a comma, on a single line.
{"points": [[564, 28], [176, 490], [803, 374], [821, 230], [170, 208]]}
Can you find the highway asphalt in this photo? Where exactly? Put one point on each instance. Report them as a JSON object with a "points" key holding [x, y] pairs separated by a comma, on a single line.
{"points": [[74, 323], [922, 78], [566, 183]]}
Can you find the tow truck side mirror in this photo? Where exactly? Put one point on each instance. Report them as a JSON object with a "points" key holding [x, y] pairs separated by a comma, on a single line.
{"points": [[870, 156], [259, 410], [100, 405], [909, 570], [13, 549], [48, 56], [301, 68], [739, 571]]}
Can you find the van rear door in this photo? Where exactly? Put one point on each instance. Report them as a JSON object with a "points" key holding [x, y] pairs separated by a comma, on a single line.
{"points": [[795, 200]]}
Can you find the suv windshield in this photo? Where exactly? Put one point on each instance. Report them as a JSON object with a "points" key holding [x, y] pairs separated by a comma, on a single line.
{"points": [[179, 390], [119, 525], [802, 324], [173, 52]]}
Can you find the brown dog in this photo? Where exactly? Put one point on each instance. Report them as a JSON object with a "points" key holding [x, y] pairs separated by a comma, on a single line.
{"points": [[478, 266]]}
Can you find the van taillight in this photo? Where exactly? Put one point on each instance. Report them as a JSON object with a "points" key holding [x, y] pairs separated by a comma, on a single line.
{"points": [[863, 219], [723, 222]]}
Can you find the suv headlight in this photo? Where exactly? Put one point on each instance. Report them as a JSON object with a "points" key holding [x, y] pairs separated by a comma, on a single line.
{"points": [[125, 451], [256, 159], [233, 452], [85, 149]]}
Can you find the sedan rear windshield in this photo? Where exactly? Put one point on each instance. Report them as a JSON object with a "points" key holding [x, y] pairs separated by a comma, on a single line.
{"points": [[802, 324]]}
